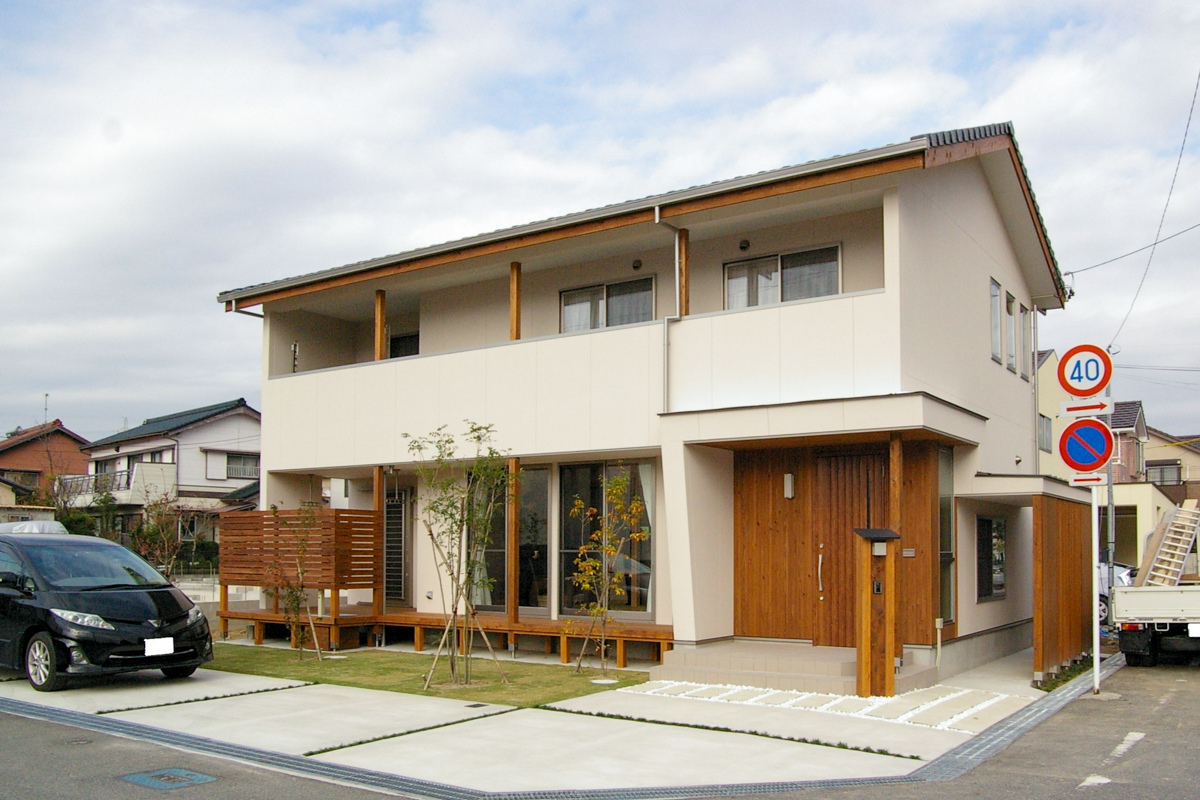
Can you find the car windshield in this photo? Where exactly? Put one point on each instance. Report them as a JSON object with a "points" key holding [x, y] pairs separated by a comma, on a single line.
{"points": [[91, 566]]}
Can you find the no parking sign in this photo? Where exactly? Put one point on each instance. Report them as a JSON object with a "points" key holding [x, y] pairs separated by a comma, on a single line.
{"points": [[1086, 445]]}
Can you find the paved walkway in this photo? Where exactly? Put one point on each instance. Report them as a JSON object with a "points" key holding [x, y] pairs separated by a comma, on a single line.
{"points": [[705, 735]]}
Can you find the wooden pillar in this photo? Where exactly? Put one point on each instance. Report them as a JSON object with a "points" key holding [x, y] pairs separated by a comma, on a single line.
{"points": [[564, 649], [514, 300], [224, 606], [862, 617], [512, 566], [874, 629], [682, 240], [895, 522]]}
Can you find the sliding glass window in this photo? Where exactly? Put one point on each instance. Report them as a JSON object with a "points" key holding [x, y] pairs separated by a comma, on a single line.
{"points": [[635, 562], [607, 306], [783, 278]]}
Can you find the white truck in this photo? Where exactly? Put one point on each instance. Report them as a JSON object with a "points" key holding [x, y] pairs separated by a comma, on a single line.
{"points": [[1160, 613]]}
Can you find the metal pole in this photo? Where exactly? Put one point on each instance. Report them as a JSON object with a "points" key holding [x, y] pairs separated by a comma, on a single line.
{"points": [[1096, 589], [1112, 517]]}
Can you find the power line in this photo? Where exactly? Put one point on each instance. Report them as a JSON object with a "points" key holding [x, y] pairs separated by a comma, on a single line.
{"points": [[1161, 369], [1134, 252], [1163, 218]]}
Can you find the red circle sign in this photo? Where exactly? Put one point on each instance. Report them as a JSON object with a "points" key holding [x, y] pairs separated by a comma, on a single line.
{"points": [[1086, 445], [1085, 370]]}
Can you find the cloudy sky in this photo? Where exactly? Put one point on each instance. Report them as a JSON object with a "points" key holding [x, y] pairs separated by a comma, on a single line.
{"points": [[155, 153]]}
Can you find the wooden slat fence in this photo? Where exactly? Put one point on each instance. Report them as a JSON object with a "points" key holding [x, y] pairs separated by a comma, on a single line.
{"points": [[342, 549], [1062, 607]]}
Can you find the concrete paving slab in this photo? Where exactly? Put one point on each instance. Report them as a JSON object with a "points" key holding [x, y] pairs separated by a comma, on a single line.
{"points": [[1009, 675], [986, 717], [814, 701], [710, 692], [649, 686], [310, 718], [142, 689], [910, 701], [851, 705], [788, 723], [744, 695], [950, 708], [776, 699], [598, 753]]}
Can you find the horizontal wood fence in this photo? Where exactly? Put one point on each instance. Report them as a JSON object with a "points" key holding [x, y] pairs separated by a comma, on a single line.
{"points": [[342, 549]]}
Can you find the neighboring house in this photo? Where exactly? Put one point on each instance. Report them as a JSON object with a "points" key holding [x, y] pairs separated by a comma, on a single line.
{"points": [[1138, 503], [191, 459], [30, 456], [1173, 464], [14, 506], [776, 360]]}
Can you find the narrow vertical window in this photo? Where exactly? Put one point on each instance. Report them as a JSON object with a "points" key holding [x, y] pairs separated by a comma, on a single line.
{"points": [[1026, 342], [990, 578], [996, 324], [1010, 311]]}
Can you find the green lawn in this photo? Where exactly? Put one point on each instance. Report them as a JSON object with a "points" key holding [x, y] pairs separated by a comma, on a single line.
{"points": [[528, 684]]}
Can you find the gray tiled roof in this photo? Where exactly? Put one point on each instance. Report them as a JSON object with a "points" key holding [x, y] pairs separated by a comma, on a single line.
{"points": [[159, 426], [1125, 414]]}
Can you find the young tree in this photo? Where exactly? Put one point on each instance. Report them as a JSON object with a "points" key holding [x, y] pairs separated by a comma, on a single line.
{"points": [[460, 499], [157, 538], [601, 565], [287, 585]]}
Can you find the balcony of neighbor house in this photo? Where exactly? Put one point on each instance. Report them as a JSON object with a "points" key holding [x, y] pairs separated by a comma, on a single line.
{"points": [[145, 483], [580, 343]]}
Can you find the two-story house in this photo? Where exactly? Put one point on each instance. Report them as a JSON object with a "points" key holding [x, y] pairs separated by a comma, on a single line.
{"points": [[777, 360], [33, 457], [1173, 464], [191, 459]]}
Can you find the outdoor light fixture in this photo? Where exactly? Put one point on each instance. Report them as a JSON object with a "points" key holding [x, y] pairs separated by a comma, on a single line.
{"points": [[744, 245], [789, 486], [637, 264]]}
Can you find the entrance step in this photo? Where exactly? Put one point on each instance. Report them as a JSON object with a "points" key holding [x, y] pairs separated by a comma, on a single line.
{"points": [[793, 666]]}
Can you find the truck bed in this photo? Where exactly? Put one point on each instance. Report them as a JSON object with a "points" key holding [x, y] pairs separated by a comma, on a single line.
{"points": [[1156, 604]]}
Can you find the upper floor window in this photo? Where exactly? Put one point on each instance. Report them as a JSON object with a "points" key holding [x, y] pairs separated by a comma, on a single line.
{"points": [[24, 477], [1010, 313], [105, 466], [408, 344], [791, 276], [1168, 474], [1026, 342], [1045, 434], [608, 305], [241, 466], [997, 325]]}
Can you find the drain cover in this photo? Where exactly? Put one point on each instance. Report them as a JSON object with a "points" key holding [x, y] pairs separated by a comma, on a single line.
{"points": [[168, 778]]}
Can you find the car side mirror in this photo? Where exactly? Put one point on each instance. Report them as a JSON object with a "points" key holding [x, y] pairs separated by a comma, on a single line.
{"points": [[11, 580]]}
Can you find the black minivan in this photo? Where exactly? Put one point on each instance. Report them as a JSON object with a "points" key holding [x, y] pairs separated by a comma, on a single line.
{"points": [[81, 605]]}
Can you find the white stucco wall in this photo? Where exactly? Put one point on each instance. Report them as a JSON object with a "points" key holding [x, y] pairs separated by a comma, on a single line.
{"points": [[972, 614]]}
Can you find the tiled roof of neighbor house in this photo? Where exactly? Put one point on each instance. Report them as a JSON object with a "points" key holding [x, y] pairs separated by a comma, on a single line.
{"points": [[1042, 356], [1125, 414], [22, 435], [917, 144], [247, 492], [159, 426]]}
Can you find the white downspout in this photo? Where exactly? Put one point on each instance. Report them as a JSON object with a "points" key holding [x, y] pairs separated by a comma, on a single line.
{"points": [[666, 335]]}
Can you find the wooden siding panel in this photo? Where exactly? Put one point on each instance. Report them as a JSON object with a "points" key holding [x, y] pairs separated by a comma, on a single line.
{"points": [[917, 578], [1062, 611]]}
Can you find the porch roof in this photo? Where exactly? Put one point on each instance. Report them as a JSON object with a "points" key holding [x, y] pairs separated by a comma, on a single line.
{"points": [[1019, 490]]}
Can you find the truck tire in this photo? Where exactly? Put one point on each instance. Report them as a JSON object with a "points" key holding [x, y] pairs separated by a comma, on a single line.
{"points": [[1141, 659]]}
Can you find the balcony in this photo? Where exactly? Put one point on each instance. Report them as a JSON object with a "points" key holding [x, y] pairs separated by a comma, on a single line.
{"points": [[145, 483]]}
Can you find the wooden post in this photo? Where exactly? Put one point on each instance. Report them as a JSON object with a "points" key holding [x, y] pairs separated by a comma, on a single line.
{"points": [[895, 644], [418, 638], [224, 606], [874, 630], [685, 290], [862, 617], [512, 567], [564, 649], [514, 300], [381, 343]]}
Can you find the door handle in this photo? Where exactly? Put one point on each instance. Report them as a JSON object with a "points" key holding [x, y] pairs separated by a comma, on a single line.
{"points": [[820, 566]]}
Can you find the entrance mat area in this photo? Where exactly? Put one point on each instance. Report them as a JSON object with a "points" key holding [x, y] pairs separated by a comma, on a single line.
{"points": [[310, 719], [143, 689], [947, 767]]}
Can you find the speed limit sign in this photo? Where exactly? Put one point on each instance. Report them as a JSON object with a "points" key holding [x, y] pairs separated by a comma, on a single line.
{"points": [[1085, 370]]}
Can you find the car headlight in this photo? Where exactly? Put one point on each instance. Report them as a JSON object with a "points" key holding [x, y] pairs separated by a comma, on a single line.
{"points": [[82, 619], [194, 615]]}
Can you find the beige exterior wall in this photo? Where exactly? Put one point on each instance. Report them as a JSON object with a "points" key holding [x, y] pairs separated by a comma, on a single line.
{"points": [[1150, 503], [1159, 448], [974, 615], [1050, 398], [953, 243]]}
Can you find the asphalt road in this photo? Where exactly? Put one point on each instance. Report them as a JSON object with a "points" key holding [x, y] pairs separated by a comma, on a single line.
{"points": [[1142, 735]]}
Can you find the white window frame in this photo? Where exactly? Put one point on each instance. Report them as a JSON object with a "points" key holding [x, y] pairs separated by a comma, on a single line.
{"points": [[603, 287], [997, 330], [779, 274], [1045, 434], [229, 466], [1026, 336], [1010, 320]]}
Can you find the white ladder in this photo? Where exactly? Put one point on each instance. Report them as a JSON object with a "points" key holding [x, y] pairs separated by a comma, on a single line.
{"points": [[1177, 542]]}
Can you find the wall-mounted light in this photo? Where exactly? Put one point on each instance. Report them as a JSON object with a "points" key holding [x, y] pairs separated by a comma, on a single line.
{"points": [[789, 486], [744, 245], [637, 264]]}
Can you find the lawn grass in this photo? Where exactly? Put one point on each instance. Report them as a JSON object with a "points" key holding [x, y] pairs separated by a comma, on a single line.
{"points": [[528, 684]]}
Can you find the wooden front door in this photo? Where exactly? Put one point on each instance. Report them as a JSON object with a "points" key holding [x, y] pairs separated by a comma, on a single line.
{"points": [[793, 558], [849, 491]]}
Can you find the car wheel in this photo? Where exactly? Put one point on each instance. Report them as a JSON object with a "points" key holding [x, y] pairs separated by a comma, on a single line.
{"points": [[41, 664], [178, 672], [1102, 614]]}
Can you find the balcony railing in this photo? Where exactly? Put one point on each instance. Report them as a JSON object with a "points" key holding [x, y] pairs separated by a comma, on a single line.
{"points": [[96, 484], [242, 471]]}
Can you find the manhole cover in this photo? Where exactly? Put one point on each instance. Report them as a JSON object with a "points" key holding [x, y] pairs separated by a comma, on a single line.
{"points": [[168, 778]]}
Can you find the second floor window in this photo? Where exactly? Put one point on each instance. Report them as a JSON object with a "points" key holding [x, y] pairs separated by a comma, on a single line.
{"points": [[997, 325], [1170, 474], [1045, 434], [608, 305], [1010, 313], [774, 279], [241, 466]]}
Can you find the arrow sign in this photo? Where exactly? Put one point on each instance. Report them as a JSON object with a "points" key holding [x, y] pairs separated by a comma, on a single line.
{"points": [[1091, 407], [1086, 445], [1085, 370], [1089, 479]]}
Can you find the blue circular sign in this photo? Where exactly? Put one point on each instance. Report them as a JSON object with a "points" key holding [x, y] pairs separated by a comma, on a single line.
{"points": [[1086, 445]]}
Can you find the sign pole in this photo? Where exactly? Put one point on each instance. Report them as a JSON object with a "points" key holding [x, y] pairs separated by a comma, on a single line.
{"points": [[1095, 590], [1112, 521]]}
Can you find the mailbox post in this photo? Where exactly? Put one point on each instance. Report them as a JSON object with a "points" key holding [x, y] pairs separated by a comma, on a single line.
{"points": [[875, 611]]}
